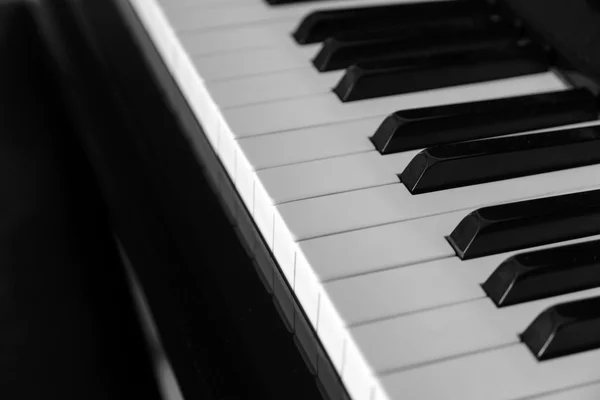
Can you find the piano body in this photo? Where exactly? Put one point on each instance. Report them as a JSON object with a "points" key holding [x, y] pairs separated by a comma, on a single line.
{"points": [[415, 182]]}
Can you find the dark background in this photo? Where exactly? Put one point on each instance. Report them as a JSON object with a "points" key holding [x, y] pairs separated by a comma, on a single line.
{"points": [[89, 149]]}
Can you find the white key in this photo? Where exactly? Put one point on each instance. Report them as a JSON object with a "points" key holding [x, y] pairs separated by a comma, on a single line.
{"points": [[341, 174], [252, 62], [412, 340], [380, 205], [332, 175], [509, 372], [196, 18], [242, 91], [243, 37], [316, 143], [308, 144], [586, 392], [327, 108]]}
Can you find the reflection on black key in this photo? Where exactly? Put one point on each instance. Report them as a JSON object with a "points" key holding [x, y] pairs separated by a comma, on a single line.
{"points": [[565, 329], [387, 78], [320, 25], [515, 226], [452, 36], [545, 273], [468, 163], [425, 127]]}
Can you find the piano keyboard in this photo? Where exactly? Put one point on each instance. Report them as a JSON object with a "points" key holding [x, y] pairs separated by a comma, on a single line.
{"points": [[441, 239]]}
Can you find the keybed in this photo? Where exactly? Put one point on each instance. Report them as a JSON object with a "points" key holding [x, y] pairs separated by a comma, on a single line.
{"points": [[399, 189]]}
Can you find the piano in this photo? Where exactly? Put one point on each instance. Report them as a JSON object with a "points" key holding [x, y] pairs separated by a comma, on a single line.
{"points": [[417, 182]]}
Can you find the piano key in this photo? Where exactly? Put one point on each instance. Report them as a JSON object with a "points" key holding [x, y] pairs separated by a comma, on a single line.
{"points": [[332, 175], [197, 18], [321, 109], [308, 144], [238, 38], [344, 173], [319, 25], [424, 127], [447, 37], [505, 373], [457, 330], [265, 60], [387, 78], [526, 223], [589, 391], [564, 329], [247, 90], [454, 165], [359, 209], [537, 274]]}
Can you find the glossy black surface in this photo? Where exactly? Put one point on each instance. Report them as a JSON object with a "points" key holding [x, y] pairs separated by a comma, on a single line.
{"points": [[407, 75], [564, 329], [429, 38], [544, 273], [320, 25], [514, 226], [425, 127], [468, 163]]}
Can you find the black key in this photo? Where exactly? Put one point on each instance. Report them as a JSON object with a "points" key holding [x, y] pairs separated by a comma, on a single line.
{"points": [[545, 273], [448, 36], [424, 127], [400, 76], [320, 25], [469, 163], [515, 226], [565, 329]]}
